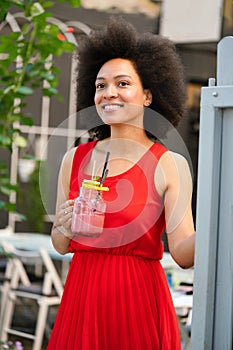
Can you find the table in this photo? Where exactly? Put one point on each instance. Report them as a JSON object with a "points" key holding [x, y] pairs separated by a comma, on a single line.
{"points": [[182, 302], [34, 242]]}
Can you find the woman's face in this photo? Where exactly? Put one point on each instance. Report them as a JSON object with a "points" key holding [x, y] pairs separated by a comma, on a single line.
{"points": [[119, 96]]}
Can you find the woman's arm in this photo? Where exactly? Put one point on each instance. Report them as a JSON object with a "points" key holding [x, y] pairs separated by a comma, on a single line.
{"points": [[61, 233], [173, 181]]}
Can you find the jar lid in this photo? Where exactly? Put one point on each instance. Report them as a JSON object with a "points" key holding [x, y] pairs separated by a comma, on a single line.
{"points": [[94, 185]]}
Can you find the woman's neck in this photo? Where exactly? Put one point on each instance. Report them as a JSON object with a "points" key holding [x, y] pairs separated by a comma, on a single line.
{"points": [[125, 133], [129, 144], [126, 148]]}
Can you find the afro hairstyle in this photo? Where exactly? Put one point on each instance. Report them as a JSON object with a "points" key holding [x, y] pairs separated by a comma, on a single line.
{"points": [[154, 57]]}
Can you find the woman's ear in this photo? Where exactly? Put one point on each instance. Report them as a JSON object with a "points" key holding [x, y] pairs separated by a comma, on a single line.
{"points": [[148, 97]]}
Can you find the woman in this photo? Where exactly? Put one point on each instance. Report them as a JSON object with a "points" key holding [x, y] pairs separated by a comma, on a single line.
{"points": [[116, 294]]}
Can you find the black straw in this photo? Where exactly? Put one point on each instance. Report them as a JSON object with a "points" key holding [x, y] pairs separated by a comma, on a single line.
{"points": [[103, 176]]}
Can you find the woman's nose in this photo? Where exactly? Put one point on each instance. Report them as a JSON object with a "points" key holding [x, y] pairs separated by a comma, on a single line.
{"points": [[110, 91]]}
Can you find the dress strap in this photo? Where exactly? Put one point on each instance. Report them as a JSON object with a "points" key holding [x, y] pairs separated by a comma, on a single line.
{"points": [[158, 150], [81, 157]]}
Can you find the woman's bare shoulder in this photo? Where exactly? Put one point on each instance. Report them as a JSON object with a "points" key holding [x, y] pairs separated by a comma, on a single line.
{"points": [[68, 156], [172, 163], [170, 167], [170, 157]]}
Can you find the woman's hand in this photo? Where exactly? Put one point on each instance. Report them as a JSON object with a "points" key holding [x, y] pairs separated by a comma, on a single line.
{"points": [[64, 217], [61, 231]]}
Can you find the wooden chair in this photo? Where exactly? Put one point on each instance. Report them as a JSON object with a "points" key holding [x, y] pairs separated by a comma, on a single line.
{"points": [[47, 293]]}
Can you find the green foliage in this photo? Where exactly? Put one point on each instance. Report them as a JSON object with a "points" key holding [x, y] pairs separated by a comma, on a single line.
{"points": [[30, 48], [30, 202]]}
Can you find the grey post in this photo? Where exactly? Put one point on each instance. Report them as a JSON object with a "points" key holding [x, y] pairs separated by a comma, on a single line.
{"points": [[213, 279]]}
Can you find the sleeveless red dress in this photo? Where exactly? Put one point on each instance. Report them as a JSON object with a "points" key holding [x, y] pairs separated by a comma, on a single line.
{"points": [[116, 294]]}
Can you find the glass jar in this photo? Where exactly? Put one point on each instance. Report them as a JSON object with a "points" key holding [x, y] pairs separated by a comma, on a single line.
{"points": [[89, 210]]}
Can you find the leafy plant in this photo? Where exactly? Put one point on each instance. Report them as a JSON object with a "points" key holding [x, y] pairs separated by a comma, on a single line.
{"points": [[22, 70], [31, 204]]}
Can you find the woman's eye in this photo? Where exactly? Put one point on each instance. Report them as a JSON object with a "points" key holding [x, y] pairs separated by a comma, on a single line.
{"points": [[123, 83], [100, 86]]}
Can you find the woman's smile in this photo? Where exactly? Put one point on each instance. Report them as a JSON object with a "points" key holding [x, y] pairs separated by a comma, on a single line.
{"points": [[112, 107]]}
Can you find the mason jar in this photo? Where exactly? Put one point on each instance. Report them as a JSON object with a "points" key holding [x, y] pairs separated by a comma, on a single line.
{"points": [[89, 210]]}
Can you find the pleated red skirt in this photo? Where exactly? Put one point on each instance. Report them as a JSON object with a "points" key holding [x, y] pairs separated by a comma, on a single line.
{"points": [[114, 302]]}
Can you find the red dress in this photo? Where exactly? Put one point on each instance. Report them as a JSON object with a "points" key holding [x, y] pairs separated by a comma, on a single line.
{"points": [[116, 294]]}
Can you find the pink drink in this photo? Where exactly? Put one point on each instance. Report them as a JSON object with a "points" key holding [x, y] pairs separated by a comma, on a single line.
{"points": [[88, 224], [89, 212]]}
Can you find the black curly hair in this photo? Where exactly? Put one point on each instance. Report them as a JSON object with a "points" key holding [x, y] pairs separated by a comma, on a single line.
{"points": [[154, 57]]}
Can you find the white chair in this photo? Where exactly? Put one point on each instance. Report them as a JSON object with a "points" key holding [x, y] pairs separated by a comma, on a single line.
{"points": [[4, 289], [47, 294]]}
